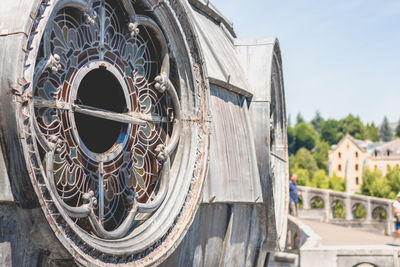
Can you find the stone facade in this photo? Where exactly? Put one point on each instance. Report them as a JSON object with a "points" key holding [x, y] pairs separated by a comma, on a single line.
{"points": [[349, 157], [185, 90]]}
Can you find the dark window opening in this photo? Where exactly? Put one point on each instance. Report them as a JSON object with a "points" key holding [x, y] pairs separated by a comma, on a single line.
{"points": [[100, 89]]}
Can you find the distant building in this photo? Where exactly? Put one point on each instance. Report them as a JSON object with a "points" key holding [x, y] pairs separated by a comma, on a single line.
{"points": [[348, 158]]}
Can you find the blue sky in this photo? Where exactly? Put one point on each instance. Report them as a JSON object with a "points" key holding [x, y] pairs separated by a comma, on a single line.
{"points": [[339, 56]]}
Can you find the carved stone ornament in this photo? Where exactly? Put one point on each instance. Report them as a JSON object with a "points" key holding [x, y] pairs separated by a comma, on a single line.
{"points": [[113, 124]]}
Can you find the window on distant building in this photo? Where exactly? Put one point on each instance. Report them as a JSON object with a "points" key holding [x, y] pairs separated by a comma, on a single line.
{"points": [[340, 155], [375, 153], [339, 167], [388, 152], [348, 146], [356, 180], [356, 167], [356, 154]]}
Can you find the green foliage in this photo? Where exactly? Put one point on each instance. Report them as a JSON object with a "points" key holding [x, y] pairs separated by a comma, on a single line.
{"points": [[299, 118], [301, 205], [353, 126], [371, 132], [291, 135], [318, 136], [374, 184], [317, 121], [385, 132], [398, 129], [360, 212], [306, 136], [337, 183], [338, 210], [317, 203], [320, 179], [304, 160], [303, 177], [321, 154], [329, 131], [393, 180], [380, 214]]}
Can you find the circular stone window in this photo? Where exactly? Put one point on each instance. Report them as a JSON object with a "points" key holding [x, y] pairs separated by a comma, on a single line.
{"points": [[115, 138], [100, 89]]}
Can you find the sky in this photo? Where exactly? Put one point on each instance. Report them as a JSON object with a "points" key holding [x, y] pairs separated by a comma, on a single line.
{"points": [[339, 56]]}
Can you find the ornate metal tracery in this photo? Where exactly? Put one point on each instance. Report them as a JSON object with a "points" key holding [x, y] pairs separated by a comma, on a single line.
{"points": [[107, 115]]}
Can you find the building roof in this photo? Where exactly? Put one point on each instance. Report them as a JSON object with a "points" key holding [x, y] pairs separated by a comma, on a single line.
{"points": [[388, 149], [374, 149], [362, 145]]}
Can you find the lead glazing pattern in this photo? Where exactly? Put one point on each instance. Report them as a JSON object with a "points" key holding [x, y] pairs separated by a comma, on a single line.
{"points": [[135, 170]]}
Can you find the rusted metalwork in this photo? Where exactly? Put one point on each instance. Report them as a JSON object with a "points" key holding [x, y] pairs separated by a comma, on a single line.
{"points": [[106, 111], [121, 176], [94, 67]]}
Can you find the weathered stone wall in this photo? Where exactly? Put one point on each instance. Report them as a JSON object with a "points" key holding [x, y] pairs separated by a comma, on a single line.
{"points": [[16, 246]]}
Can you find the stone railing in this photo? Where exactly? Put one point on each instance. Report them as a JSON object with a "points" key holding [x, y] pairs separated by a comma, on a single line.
{"points": [[350, 202], [300, 235]]}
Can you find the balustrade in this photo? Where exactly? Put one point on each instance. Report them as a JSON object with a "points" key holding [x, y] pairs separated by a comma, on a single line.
{"points": [[376, 209]]}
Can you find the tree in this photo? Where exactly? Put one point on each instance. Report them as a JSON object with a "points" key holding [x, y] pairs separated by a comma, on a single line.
{"points": [[306, 136], [371, 132], [385, 132], [317, 121], [303, 160], [374, 184], [303, 177], [398, 129], [338, 210], [360, 212], [291, 136], [329, 131], [351, 125], [320, 179], [321, 154], [317, 203], [337, 183], [299, 118], [393, 180]]}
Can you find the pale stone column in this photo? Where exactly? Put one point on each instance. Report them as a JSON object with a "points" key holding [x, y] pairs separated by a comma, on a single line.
{"points": [[390, 217], [349, 215], [369, 211], [306, 199], [327, 206]]}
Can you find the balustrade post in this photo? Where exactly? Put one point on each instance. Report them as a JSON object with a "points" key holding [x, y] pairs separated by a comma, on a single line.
{"points": [[369, 211], [306, 200], [349, 214], [327, 206], [390, 217]]}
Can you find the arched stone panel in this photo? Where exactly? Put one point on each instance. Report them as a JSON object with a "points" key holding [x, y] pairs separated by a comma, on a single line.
{"points": [[338, 209], [379, 213], [359, 210], [317, 202]]}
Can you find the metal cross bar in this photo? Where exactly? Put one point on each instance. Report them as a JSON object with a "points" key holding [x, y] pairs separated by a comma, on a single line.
{"points": [[129, 117]]}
